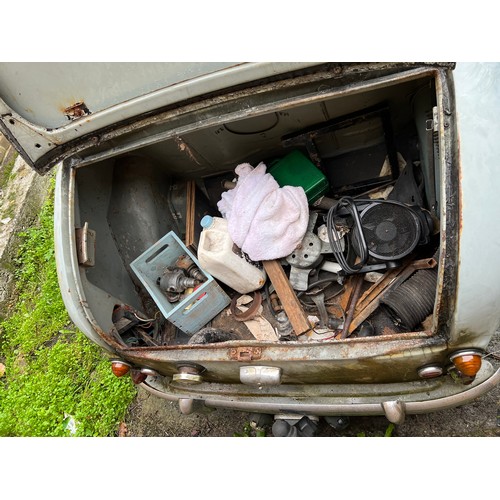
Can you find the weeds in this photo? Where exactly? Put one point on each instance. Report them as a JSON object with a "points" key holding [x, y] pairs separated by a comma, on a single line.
{"points": [[251, 430], [53, 374], [388, 431], [6, 172]]}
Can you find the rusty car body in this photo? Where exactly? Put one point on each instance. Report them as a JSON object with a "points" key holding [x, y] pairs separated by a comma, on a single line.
{"points": [[131, 140]]}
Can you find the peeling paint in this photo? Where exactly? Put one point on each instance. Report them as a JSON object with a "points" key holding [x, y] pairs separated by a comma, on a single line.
{"points": [[76, 111]]}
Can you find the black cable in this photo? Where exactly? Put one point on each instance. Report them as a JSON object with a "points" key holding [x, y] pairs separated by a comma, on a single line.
{"points": [[335, 237], [319, 282]]}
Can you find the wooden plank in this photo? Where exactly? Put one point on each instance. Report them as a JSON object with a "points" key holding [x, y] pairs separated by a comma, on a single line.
{"points": [[346, 296], [197, 205], [287, 296], [357, 280], [190, 215], [383, 282]]}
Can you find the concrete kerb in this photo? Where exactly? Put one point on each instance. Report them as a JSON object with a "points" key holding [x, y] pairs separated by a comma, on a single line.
{"points": [[20, 203], [6, 151]]}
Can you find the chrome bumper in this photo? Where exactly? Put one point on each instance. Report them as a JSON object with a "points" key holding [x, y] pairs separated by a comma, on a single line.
{"points": [[395, 410]]}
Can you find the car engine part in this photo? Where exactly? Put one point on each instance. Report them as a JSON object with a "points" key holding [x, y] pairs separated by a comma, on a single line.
{"points": [[251, 312], [175, 281], [382, 233]]}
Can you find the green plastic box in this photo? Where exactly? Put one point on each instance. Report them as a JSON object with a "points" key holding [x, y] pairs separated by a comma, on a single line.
{"points": [[296, 169]]}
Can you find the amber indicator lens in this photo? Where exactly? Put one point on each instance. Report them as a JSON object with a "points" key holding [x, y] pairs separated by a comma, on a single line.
{"points": [[119, 368], [467, 363]]}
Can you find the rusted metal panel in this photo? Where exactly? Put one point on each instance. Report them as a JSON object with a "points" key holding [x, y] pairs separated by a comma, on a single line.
{"points": [[450, 209], [85, 245], [245, 353], [393, 358], [67, 261]]}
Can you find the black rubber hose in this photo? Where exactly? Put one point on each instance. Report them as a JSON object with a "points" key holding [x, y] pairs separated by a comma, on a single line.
{"points": [[412, 301]]}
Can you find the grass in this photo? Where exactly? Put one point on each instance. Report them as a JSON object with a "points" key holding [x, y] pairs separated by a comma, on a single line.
{"points": [[6, 176], [56, 382], [6, 172]]}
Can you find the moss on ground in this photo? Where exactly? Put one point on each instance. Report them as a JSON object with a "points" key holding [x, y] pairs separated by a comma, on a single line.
{"points": [[56, 382]]}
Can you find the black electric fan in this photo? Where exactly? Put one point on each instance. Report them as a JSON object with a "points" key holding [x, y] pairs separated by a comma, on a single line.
{"points": [[382, 233]]}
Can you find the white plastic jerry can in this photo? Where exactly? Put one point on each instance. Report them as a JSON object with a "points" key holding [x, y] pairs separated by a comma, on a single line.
{"points": [[217, 257]]}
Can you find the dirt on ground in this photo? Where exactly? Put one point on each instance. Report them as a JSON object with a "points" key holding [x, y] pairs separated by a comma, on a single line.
{"points": [[150, 416]]}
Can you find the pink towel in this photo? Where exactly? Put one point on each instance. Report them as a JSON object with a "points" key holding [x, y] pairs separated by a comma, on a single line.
{"points": [[265, 220]]}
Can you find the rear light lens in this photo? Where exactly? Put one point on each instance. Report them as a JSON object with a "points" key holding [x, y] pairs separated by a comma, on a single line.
{"points": [[120, 368], [467, 362], [430, 371]]}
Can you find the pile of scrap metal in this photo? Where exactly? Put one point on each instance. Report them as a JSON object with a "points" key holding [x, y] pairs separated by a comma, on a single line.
{"points": [[366, 265], [302, 247]]}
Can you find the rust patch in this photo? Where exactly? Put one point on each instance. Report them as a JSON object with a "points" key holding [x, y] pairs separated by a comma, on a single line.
{"points": [[245, 353], [252, 310], [185, 148], [76, 111], [85, 245], [460, 182], [110, 337]]}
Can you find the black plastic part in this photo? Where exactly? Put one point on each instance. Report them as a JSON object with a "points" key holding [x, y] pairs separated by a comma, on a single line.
{"points": [[391, 230], [306, 427], [406, 190], [366, 330], [382, 233], [338, 423], [351, 172], [282, 428]]}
